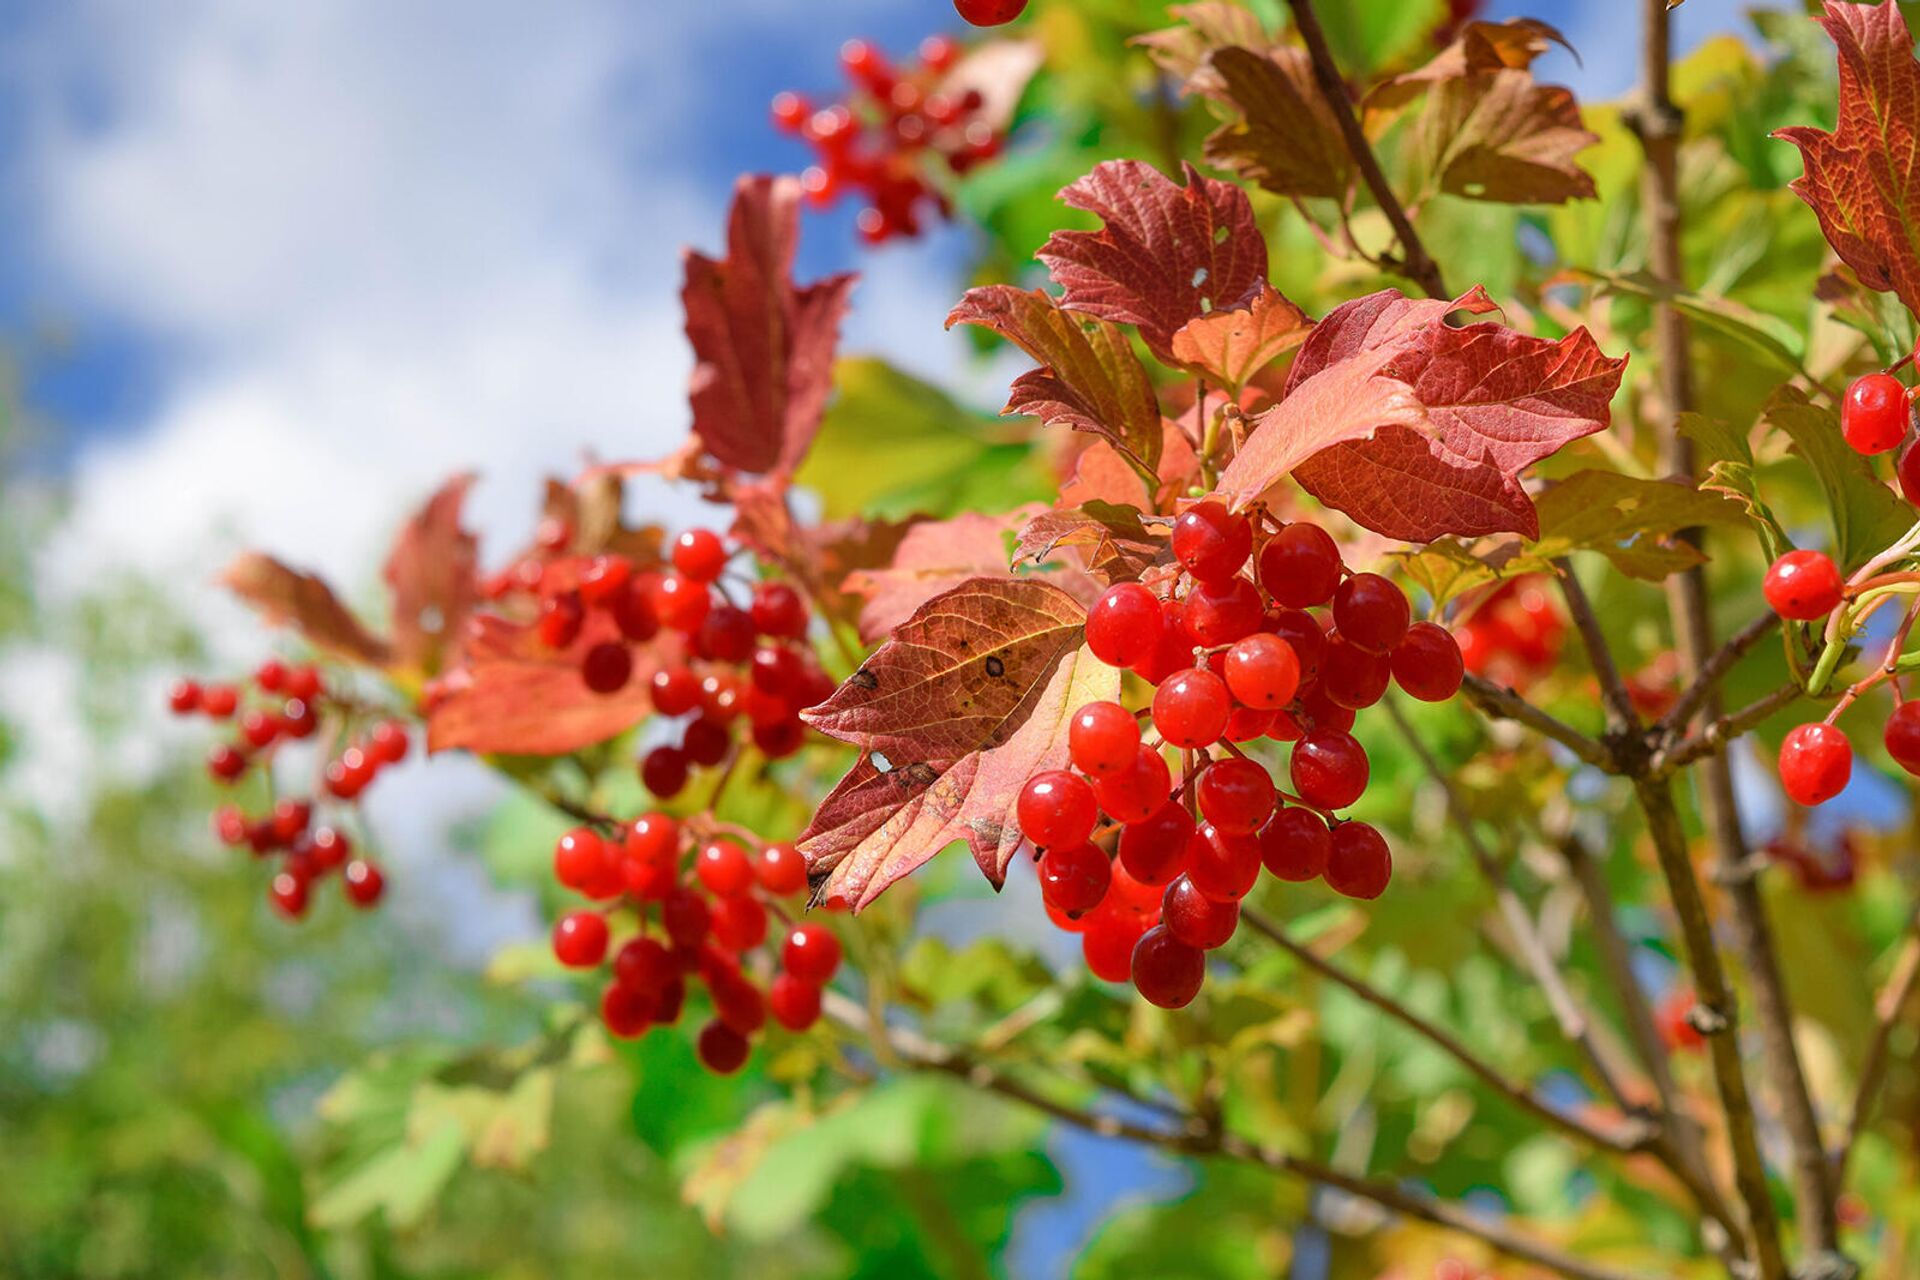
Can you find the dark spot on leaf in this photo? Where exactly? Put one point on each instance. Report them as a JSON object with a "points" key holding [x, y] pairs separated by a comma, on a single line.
{"points": [[865, 679], [921, 774], [995, 667]]}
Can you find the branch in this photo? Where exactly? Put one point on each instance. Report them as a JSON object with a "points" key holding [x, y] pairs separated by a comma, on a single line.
{"points": [[1197, 1138], [1887, 1008], [1497, 703], [1418, 264], [1613, 690], [1721, 730], [1631, 1137], [1712, 671]]}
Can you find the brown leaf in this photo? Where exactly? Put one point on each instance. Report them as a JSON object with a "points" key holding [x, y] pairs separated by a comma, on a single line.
{"points": [[1183, 51], [1230, 347], [970, 698], [288, 597], [1091, 379], [431, 573], [1481, 48], [1116, 546], [1287, 138], [1168, 252], [1504, 138], [763, 347]]}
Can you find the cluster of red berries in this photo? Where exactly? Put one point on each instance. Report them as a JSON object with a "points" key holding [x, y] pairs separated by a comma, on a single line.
{"points": [[877, 141], [285, 704], [1513, 636], [701, 919], [1236, 652]]}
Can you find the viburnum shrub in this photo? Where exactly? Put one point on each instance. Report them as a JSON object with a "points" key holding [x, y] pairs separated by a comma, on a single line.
{"points": [[1324, 662]]}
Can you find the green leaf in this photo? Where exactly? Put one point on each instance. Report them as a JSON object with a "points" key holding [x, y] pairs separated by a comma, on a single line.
{"points": [[401, 1181], [1767, 335], [1631, 521], [1867, 515], [1730, 470]]}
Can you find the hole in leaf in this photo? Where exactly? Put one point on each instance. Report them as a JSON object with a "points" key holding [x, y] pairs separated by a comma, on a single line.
{"points": [[881, 762], [1199, 276]]}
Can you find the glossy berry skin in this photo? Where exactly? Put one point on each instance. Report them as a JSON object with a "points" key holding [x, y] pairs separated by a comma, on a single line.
{"points": [[1295, 845], [1300, 566], [1902, 736], [739, 923], [681, 603], [1359, 863], [811, 954], [1371, 612], [1074, 877], [288, 893], [1217, 614], [1351, 677], [1235, 795], [1873, 417], [1103, 738], [699, 555], [1057, 808], [219, 700], [1167, 971], [607, 667], [225, 763], [1427, 663], [1196, 919], [1815, 762], [1211, 542], [794, 1004], [1329, 769], [722, 1050], [579, 858], [184, 697], [722, 867], [778, 611], [664, 771], [1107, 942], [561, 617], [1803, 585], [1124, 625], [780, 869], [1191, 708], [1907, 470], [626, 1013], [1138, 793], [686, 917], [363, 883], [580, 939], [1154, 850], [1304, 635], [989, 13], [1262, 671], [1222, 864]]}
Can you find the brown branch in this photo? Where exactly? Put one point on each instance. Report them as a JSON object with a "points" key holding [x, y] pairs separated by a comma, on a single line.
{"points": [[1887, 1008], [1196, 1137], [1721, 730], [1499, 703], [1707, 680], [1417, 263], [1613, 690]]}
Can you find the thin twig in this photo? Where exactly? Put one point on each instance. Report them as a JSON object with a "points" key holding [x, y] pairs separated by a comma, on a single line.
{"points": [[1499, 703], [1712, 671], [1718, 732], [1613, 690], [1887, 1008]]}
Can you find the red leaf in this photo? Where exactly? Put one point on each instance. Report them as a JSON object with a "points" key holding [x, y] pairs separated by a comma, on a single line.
{"points": [[1167, 254], [1287, 138], [512, 695], [288, 597], [1091, 381], [1230, 347], [1101, 475], [763, 347], [970, 698], [1416, 429], [431, 573], [1863, 179], [1115, 545]]}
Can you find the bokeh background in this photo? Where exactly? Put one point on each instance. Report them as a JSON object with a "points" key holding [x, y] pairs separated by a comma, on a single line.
{"points": [[267, 274]]}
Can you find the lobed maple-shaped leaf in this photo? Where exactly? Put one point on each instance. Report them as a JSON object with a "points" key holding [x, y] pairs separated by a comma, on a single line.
{"points": [[1230, 347], [1863, 179], [1167, 253], [286, 596], [513, 695], [1286, 138], [1634, 522], [1183, 51], [1090, 380], [970, 698], [1480, 49], [1415, 428], [1114, 543], [763, 347], [432, 574], [1501, 137]]}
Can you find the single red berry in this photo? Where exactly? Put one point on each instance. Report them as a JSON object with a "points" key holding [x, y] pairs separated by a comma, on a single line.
{"points": [[1137, 793], [780, 869], [1214, 614], [1057, 808], [794, 1004], [1316, 710], [1300, 566], [685, 916], [1167, 971], [1154, 850], [363, 882], [779, 740], [1211, 542], [706, 742], [1902, 736], [1172, 648], [1191, 708], [290, 818], [1262, 671], [1074, 877], [1816, 760], [606, 667], [1103, 738], [304, 683], [1107, 942], [561, 617], [580, 857], [726, 634], [778, 611], [653, 837], [1350, 676], [663, 771], [681, 603], [1803, 585], [739, 923], [1248, 723], [736, 1000], [580, 939], [723, 867], [722, 1050], [270, 676], [1304, 635], [1907, 470], [388, 742], [1222, 864], [989, 13], [1124, 625], [297, 719], [1195, 919], [1295, 845], [675, 691], [632, 610], [328, 848], [1671, 1018], [643, 964], [777, 669], [1427, 663], [259, 728], [1329, 769], [1235, 795], [1873, 417], [219, 700], [288, 893], [700, 555], [720, 695], [790, 111], [1358, 861], [1371, 612], [626, 1013], [230, 825], [184, 697], [811, 954], [226, 763]]}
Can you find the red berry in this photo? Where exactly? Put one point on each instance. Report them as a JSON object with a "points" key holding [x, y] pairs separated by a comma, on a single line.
{"points": [[1154, 849], [1329, 769], [1815, 762], [303, 683], [778, 741], [288, 893], [388, 742], [604, 581], [1172, 648], [1235, 795], [1222, 864], [790, 111], [1427, 663], [1107, 942], [1196, 919], [1902, 736], [1907, 469], [1317, 711], [1138, 793], [722, 866], [219, 700], [270, 676], [780, 869], [794, 1004], [686, 918], [778, 611], [739, 923], [699, 554], [1191, 708], [1166, 970], [643, 964], [1103, 738], [226, 763], [1873, 417], [184, 697], [663, 771], [1803, 585], [1350, 676], [1295, 845], [811, 954], [624, 1011], [726, 634], [706, 742], [230, 825], [1358, 861], [722, 1050], [1217, 614], [363, 882], [1304, 635], [653, 837], [989, 13], [1262, 671], [580, 939], [681, 603], [1124, 625], [675, 690], [632, 609], [1676, 1029], [561, 617], [1074, 877], [259, 728], [1300, 566], [607, 667], [328, 848], [297, 719], [580, 857], [1371, 612], [1057, 808], [1211, 542]]}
